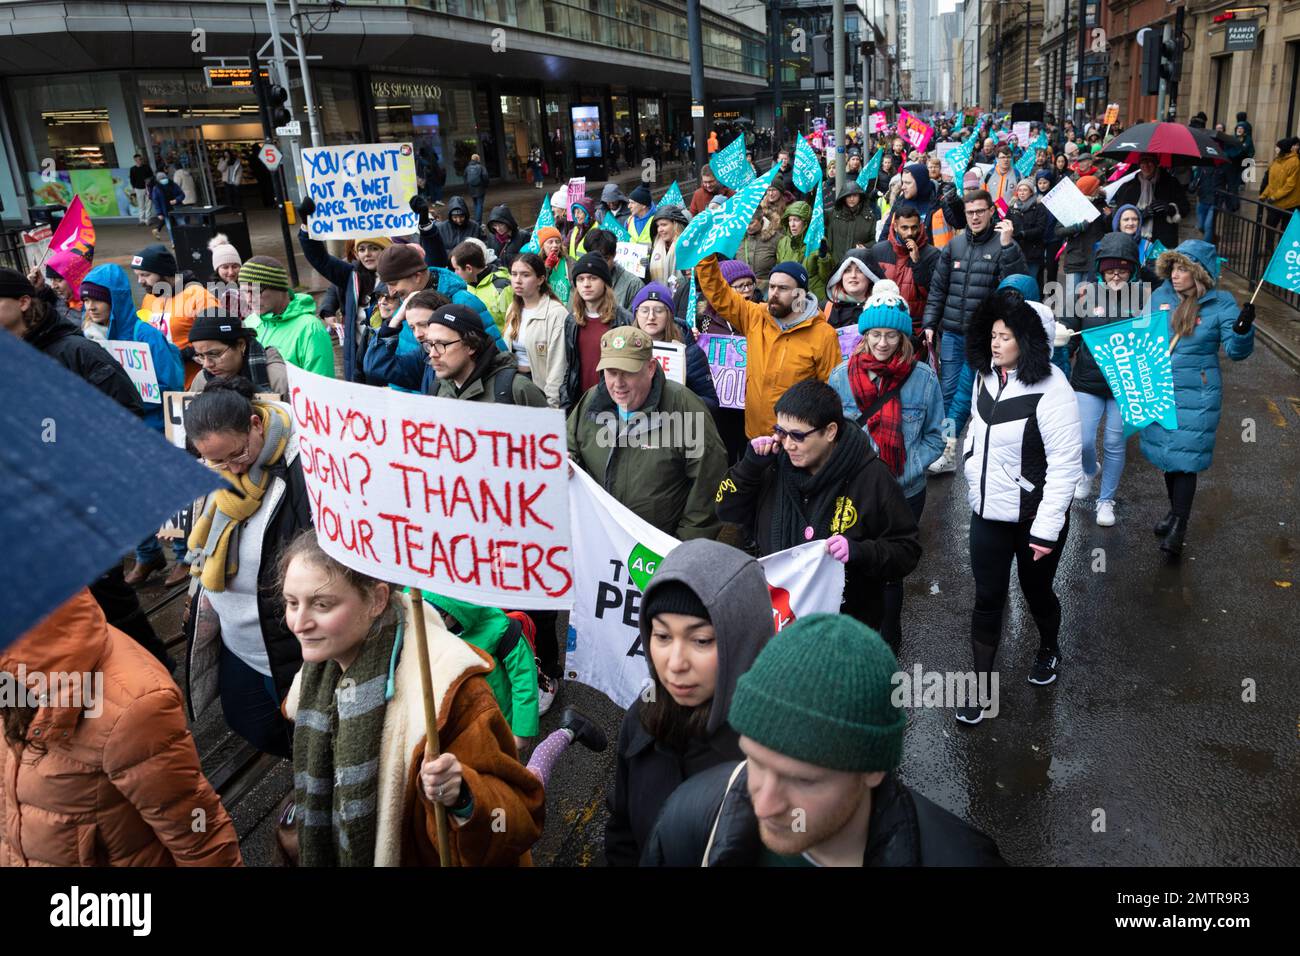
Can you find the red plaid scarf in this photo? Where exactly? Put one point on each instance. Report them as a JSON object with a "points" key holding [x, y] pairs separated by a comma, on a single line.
{"points": [[886, 422]]}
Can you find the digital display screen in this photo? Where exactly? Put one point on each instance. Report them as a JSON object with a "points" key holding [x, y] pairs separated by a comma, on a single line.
{"points": [[586, 131]]}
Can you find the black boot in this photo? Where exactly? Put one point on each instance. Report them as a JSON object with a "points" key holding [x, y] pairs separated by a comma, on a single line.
{"points": [[1164, 524], [1172, 545], [584, 730]]}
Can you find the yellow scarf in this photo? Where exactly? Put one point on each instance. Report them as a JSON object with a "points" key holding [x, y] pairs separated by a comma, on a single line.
{"points": [[219, 559]]}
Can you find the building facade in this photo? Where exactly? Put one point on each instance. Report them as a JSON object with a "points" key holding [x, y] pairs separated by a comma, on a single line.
{"points": [[84, 88]]}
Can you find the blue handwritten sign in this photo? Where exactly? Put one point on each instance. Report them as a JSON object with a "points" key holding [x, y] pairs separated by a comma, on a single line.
{"points": [[360, 190]]}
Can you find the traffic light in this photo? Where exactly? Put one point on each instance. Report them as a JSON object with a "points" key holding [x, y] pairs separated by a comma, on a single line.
{"points": [[277, 96], [1160, 60]]}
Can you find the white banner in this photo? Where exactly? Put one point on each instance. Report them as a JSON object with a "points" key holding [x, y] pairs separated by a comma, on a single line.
{"points": [[136, 358], [467, 499], [671, 356], [615, 555]]}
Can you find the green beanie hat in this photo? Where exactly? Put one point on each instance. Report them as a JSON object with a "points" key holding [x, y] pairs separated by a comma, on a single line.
{"points": [[820, 692]]}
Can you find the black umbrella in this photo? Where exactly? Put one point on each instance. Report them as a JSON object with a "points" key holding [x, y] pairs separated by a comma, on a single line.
{"points": [[1174, 143], [84, 480]]}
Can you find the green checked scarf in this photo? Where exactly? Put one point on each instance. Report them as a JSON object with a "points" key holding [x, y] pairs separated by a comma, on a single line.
{"points": [[336, 743]]}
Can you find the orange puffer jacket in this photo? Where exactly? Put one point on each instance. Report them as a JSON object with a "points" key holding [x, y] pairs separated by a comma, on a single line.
{"points": [[113, 779]]}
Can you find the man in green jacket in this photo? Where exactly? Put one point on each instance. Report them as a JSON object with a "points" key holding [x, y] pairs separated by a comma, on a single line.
{"points": [[484, 277], [468, 364], [649, 441], [283, 320]]}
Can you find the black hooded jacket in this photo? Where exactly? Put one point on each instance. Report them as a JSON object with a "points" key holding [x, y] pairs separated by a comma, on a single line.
{"points": [[905, 828], [506, 251], [453, 235], [1106, 308], [62, 341]]}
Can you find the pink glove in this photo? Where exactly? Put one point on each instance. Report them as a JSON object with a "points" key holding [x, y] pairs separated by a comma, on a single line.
{"points": [[762, 445], [837, 546], [1039, 551]]}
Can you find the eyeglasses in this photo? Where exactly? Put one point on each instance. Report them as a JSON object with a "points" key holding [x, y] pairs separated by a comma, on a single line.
{"points": [[982, 211], [240, 459], [203, 358], [744, 287], [388, 297], [795, 436], [440, 348]]}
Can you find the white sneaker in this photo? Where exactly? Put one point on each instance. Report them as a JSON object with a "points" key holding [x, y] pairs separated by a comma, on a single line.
{"points": [[1105, 513], [548, 688], [947, 462], [1083, 488]]}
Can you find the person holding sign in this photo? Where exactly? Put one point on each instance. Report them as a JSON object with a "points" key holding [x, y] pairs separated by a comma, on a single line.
{"points": [[787, 340], [652, 311], [709, 187], [758, 248], [285, 320], [1022, 464], [106, 292], [240, 649], [1202, 318], [897, 401], [365, 786], [648, 441], [704, 617], [535, 326], [1079, 261], [815, 477]]}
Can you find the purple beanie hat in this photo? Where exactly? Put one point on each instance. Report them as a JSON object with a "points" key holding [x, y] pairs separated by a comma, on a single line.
{"points": [[733, 269], [654, 292]]}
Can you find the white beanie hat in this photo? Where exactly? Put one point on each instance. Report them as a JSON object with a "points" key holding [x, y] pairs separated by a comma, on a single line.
{"points": [[223, 253]]}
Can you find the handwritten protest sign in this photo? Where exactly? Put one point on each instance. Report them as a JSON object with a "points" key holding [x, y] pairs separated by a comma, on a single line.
{"points": [[577, 190], [136, 358], [1021, 132], [671, 357], [876, 122], [465, 499], [632, 256], [361, 190], [727, 356], [849, 337], [1068, 204]]}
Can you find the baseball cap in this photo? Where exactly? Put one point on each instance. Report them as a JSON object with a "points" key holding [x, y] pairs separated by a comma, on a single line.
{"points": [[625, 348]]}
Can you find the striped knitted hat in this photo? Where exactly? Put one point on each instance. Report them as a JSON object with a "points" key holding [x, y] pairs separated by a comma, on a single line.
{"points": [[265, 275]]}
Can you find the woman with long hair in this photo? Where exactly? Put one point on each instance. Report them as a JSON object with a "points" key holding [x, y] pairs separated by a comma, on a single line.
{"points": [[534, 326], [1201, 319], [667, 225], [593, 311]]}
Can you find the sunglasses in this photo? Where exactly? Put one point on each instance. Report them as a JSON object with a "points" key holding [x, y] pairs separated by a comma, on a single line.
{"points": [[797, 437]]}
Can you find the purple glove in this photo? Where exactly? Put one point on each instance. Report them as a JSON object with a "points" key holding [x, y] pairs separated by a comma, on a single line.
{"points": [[837, 546], [762, 445]]}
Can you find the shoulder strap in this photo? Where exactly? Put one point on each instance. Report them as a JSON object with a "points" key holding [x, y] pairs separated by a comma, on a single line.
{"points": [[713, 831], [503, 386], [879, 402]]}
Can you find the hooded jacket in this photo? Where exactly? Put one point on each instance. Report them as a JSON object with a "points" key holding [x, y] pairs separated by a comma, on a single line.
{"points": [[174, 316], [849, 228], [776, 357], [1198, 381], [968, 270], [791, 248], [710, 821], [612, 201], [1165, 189], [508, 803], [62, 341], [1145, 269], [120, 787], [731, 586], [346, 276], [652, 465], [395, 357], [124, 326], [1033, 226], [870, 511], [892, 260], [297, 334], [1023, 452], [925, 201], [840, 310], [575, 235], [518, 238], [453, 235], [513, 679], [1108, 308]]}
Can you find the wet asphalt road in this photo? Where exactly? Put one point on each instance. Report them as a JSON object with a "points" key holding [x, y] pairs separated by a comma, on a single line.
{"points": [[1146, 723], [1145, 732]]}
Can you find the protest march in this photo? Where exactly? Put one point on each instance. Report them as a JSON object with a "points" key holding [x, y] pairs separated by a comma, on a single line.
{"points": [[663, 521]]}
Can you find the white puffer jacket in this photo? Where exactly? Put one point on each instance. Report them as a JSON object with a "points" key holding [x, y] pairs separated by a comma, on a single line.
{"points": [[1023, 452]]}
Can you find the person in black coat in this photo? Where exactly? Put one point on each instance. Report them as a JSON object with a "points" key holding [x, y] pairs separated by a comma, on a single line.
{"points": [[1160, 198], [823, 738], [23, 314], [504, 237], [820, 478], [1033, 225], [704, 617]]}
